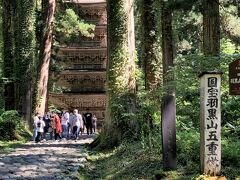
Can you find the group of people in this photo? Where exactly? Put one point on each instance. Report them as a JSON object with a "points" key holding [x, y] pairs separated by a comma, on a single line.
{"points": [[66, 125]]}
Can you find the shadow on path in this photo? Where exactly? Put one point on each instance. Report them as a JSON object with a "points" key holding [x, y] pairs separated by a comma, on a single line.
{"points": [[46, 160]]}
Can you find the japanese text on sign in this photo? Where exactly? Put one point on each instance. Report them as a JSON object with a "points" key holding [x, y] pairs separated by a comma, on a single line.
{"points": [[212, 123]]}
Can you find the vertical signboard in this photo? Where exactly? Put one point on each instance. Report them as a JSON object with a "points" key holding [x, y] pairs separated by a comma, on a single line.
{"points": [[234, 77], [210, 123]]}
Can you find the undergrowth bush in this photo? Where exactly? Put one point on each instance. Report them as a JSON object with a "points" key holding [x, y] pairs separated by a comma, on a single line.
{"points": [[230, 157], [188, 149], [230, 152], [12, 126]]}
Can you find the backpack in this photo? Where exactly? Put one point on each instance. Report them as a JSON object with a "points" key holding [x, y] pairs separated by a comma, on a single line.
{"points": [[39, 124]]}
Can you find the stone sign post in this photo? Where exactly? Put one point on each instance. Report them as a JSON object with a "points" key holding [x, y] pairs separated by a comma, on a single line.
{"points": [[210, 123]]}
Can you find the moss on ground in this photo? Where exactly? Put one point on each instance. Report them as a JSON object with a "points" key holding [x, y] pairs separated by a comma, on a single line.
{"points": [[6, 146], [136, 161], [128, 161]]}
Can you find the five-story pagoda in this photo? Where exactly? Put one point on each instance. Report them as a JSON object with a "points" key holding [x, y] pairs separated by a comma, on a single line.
{"points": [[82, 80]]}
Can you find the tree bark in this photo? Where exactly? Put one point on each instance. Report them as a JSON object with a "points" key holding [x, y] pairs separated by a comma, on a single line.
{"points": [[149, 43], [211, 27], [169, 102], [42, 87], [121, 65], [24, 56], [8, 62], [131, 48]]}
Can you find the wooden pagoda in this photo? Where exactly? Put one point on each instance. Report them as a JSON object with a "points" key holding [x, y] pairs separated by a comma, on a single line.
{"points": [[82, 82]]}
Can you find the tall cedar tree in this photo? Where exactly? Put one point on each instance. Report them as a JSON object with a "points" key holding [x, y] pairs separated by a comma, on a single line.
{"points": [[169, 102], [211, 27], [42, 83], [150, 54], [8, 62], [149, 45], [121, 66], [24, 55]]}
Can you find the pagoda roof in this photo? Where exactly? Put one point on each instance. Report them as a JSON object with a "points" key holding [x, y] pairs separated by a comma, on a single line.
{"points": [[85, 1], [69, 48], [81, 72]]}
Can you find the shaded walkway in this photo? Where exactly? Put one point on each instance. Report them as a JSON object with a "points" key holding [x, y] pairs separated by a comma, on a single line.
{"points": [[47, 160]]}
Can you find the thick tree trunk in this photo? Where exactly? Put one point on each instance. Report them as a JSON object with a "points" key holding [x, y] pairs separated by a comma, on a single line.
{"points": [[121, 65], [169, 104], [131, 48], [24, 56], [150, 54], [8, 62], [211, 27], [42, 87]]}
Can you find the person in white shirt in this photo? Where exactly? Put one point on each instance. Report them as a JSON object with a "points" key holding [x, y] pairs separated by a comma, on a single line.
{"points": [[70, 132], [40, 129], [35, 120], [77, 123], [64, 122]]}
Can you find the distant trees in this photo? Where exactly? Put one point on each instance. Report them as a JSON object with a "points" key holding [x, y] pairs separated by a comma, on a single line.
{"points": [[18, 54], [26, 56], [20, 58]]}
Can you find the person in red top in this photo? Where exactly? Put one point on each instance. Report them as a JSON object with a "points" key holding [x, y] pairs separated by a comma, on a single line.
{"points": [[57, 126]]}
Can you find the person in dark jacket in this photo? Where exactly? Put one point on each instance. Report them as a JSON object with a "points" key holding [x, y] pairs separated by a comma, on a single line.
{"points": [[88, 118]]}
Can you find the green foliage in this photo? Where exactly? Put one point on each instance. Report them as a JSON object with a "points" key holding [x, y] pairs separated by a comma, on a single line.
{"points": [[148, 117], [231, 152], [135, 160], [5, 146], [69, 26], [160, 174], [7, 50], [187, 32], [125, 118], [188, 147], [120, 74], [52, 108], [12, 126], [127, 161], [182, 4], [148, 42], [186, 72], [230, 20], [24, 49], [1, 42], [11, 115], [118, 52], [231, 112]]}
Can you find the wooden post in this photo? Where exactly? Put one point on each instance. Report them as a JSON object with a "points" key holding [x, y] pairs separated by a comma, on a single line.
{"points": [[210, 123], [169, 132]]}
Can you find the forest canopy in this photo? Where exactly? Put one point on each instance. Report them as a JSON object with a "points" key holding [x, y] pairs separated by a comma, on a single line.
{"points": [[156, 50]]}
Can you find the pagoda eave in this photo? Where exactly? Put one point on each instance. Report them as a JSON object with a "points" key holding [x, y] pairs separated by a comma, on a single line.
{"points": [[70, 48], [85, 1]]}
